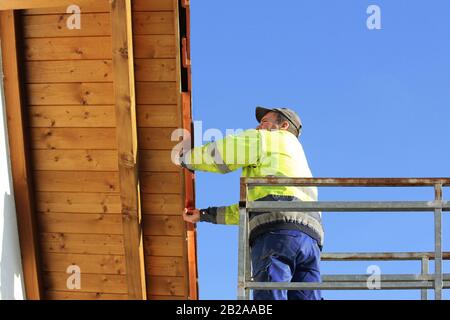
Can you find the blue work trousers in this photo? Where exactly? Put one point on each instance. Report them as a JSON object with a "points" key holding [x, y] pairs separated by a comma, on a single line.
{"points": [[285, 256]]}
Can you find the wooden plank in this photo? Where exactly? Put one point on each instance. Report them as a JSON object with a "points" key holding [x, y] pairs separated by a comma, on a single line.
{"points": [[163, 204], [154, 225], [154, 5], [71, 71], [156, 138], [153, 297], [89, 263], [164, 246], [20, 167], [95, 223], [45, 26], [73, 48], [154, 46], [82, 243], [158, 116], [78, 202], [157, 160], [95, 24], [71, 160], [77, 48], [87, 6], [89, 282], [166, 286], [70, 94], [72, 116], [160, 182], [153, 23], [71, 295], [155, 69], [76, 181], [165, 266], [125, 106], [156, 92], [29, 4], [73, 138]]}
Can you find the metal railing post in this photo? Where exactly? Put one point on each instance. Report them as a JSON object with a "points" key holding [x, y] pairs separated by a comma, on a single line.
{"points": [[243, 292], [424, 271], [438, 281]]}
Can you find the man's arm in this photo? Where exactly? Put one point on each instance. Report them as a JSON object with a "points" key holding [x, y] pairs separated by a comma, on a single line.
{"points": [[216, 215], [225, 155]]}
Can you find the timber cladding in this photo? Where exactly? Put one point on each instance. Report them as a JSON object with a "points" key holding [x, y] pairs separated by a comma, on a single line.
{"points": [[69, 109]]}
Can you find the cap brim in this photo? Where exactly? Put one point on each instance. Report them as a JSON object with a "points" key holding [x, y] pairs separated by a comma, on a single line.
{"points": [[260, 112]]}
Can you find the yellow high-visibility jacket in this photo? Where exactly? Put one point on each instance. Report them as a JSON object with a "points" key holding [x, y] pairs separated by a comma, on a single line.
{"points": [[260, 153]]}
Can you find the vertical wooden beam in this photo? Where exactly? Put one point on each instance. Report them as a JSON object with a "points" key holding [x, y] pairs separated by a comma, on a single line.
{"points": [[20, 166], [184, 107], [125, 109], [189, 181]]}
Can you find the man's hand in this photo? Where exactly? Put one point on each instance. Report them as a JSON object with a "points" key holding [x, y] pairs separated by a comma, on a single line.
{"points": [[191, 215]]}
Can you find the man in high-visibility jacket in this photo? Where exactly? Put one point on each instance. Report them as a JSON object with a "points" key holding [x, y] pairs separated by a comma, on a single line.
{"points": [[285, 246]]}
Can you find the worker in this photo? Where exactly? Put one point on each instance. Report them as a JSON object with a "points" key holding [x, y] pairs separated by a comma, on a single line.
{"points": [[285, 246]]}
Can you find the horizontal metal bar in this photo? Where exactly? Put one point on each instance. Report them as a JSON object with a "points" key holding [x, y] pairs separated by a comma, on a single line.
{"points": [[379, 256], [340, 285], [383, 278], [347, 182], [349, 206]]}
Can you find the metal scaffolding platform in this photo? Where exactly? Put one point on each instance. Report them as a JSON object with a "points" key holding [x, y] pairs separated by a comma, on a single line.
{"points": [[423, 281]]}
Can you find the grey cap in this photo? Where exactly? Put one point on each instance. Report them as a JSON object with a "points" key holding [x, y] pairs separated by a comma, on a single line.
{"points": [[290, 114]]}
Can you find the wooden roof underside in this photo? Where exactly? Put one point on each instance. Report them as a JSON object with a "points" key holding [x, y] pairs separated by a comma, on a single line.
{"points": [[135, 86]]}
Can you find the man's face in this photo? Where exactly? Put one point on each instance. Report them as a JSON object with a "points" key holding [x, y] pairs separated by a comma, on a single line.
{"points": [[269, 122]]}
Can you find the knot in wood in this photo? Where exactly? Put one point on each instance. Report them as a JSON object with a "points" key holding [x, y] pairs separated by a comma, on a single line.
{"points": [[127, 160]]}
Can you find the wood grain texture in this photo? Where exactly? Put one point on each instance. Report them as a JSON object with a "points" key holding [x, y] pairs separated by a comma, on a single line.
{"points": [[89, 282], [96, 48], [157, 138], [72, 48], [76, 181], [162, 204], [77, 243], [158, 116], [74, 138], [71, 295], [95, 24], [161, 183], [71, 116], [55, 25], [78, 202], [157, 160], [154, 225], [127, 145], [72, 160], [71, 94], [153, 23], [155, 69], [37, 6], [154, 46], [80, 223], [166, 286], [156, 93], [165, 266], [164, 246], [89, 6], [69, 71]]}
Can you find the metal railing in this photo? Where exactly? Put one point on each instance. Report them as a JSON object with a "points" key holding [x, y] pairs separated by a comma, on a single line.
{"points": [[423, 281]]}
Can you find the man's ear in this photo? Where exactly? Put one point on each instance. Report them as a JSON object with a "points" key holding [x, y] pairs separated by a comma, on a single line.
{"points": [[284, 125]]}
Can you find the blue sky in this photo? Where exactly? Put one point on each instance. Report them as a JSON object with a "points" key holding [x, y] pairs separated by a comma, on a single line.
{"points": [[374, 103]]}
